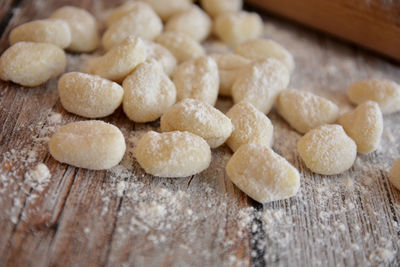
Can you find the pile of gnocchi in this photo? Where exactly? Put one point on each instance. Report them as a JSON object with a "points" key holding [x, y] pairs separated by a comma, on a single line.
{"points": [[155, 66]]}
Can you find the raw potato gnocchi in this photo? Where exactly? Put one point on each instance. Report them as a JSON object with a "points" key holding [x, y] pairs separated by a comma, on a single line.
{"points": [[305, 111], [262, 174], [88, 95], [181, 46], [93, 145], [197, 79], [161, 55], [121, 60], [193, 22], [83, 26], [53, 31], [218, 7], [262, 48], [32, 64], [173, 154], [386, 93], [260, 83], [121, 11], [237, 27], [229, 67], [364, 125], [167, 8], [199, 118], [327, 150], [394, 177], [141, 21], [250, 125], [148, 92]]}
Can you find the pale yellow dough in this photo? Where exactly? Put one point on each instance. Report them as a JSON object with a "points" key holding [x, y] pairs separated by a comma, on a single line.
{"points": [[199, 118], [262, 174], [94, 145], [173, 154], [32, 64]]}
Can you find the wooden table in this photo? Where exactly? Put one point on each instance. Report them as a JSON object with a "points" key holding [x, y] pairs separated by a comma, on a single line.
{"points": [[124, 217]]}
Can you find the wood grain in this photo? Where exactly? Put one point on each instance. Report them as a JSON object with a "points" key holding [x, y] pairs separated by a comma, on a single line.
{"points": [[124, 217], [374, 24]]}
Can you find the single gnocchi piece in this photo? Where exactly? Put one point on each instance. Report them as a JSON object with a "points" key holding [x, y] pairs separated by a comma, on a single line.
{"points": [[161, 55], [53, 31], [364, 125], [120, 11], [250, 125], [141, 21], [263, 48], [120, 60], [237, 27], [394, 177], [193, 22], [181, 46], [260, 83], [83, 26], [148, 92], [304, 110], [199, 118], [384, 92], [173, 154], [93, 145], [32, 64], [197, 79], [218, 7], [167, 8], [229, 67], [327, 150], [262, 174], [88, 95]]}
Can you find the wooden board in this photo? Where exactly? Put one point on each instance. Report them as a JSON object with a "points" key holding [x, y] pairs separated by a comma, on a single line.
{"points": [[374, 24], [123, 217]]}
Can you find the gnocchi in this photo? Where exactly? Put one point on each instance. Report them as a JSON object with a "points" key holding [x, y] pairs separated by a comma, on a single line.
{"points": [[173, 154], [161, 55], [218, 7], [237, 27], [199, 118], [250, 126], [167, 8], [88, 95], [364, 125], [197, 79], [141, 21], [262, 48], [327, 150], [304, 110], [384, 92], [83, 27], [181, 46], [32, 64], [229, 66], [120, 11], [262, 174], [148, 92], [53, 31], [193, 22], [260, 83], [93, 145], [120, 60]]}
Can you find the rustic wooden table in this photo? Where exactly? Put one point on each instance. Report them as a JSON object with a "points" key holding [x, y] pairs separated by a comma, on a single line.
{"points": [[123, 217]]}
